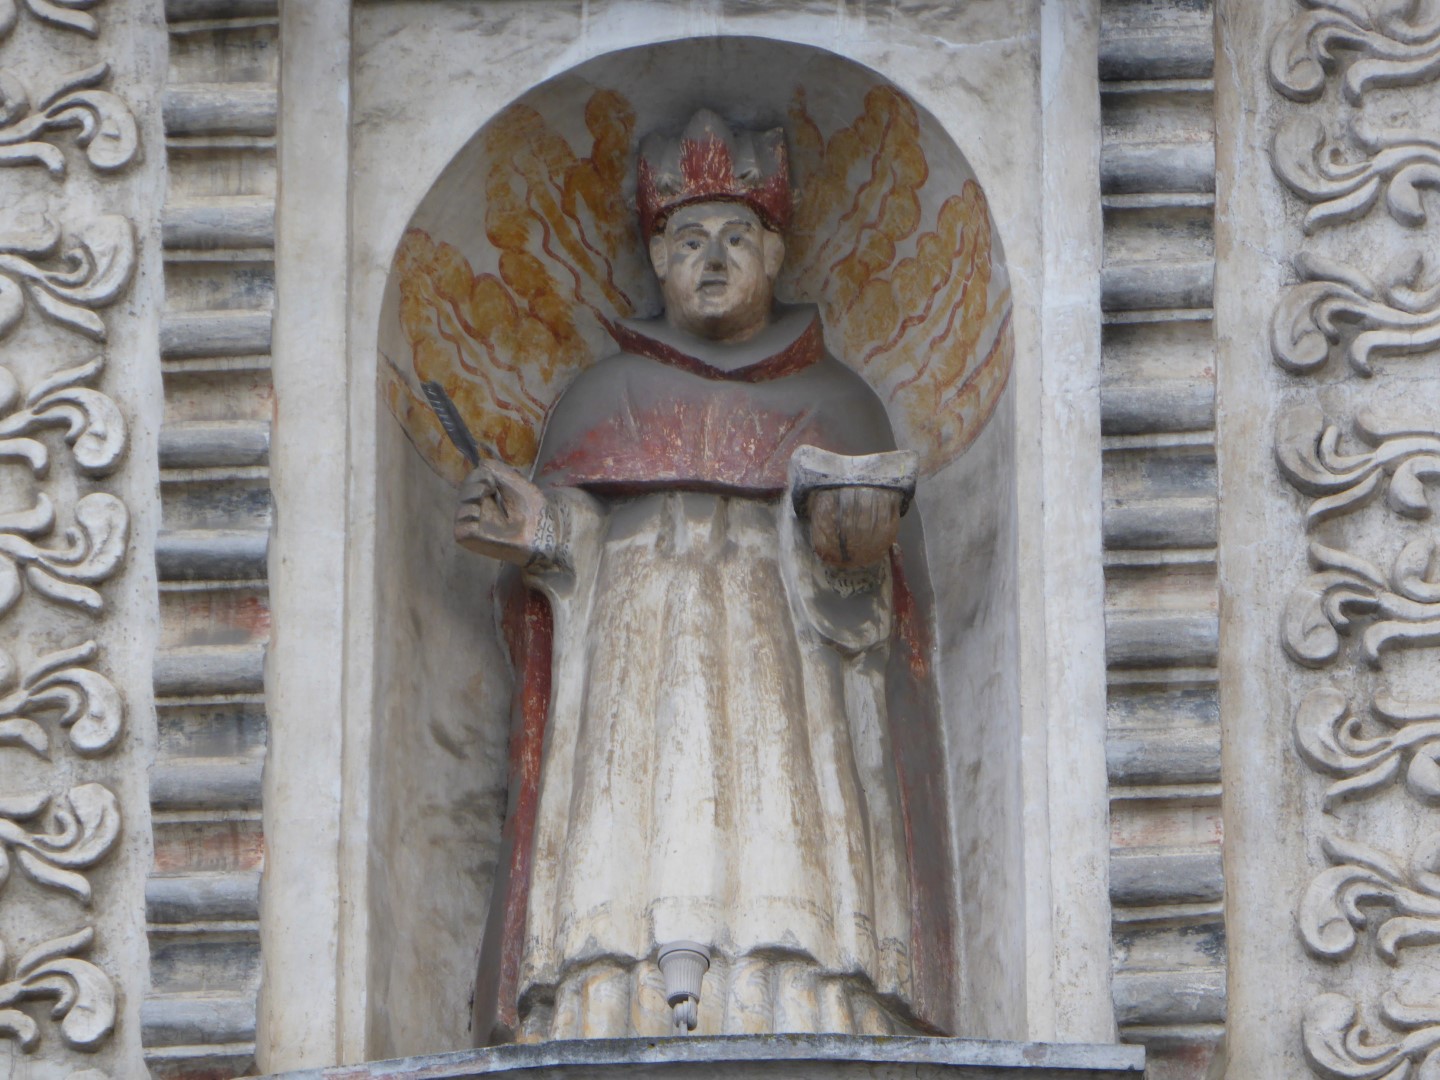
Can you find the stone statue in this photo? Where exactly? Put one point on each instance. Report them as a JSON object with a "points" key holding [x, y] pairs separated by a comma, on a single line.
{"points": [[726, 813]]}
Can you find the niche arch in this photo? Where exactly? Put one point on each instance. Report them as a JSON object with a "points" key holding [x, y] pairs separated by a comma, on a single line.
{"points": [[501, 288]]}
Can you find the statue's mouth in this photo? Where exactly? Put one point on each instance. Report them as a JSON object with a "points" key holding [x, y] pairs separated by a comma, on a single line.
{"points": [[713, 280]]}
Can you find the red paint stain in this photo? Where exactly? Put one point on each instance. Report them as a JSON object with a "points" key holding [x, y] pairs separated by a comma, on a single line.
{"points": [[529, 630], [721, 442]]}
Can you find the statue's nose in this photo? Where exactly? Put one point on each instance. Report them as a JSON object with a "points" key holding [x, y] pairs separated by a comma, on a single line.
{"points": [[714, 255]]}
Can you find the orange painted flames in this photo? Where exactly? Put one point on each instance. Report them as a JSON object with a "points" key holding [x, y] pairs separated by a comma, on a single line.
{"points": [[504, 344], [923, 327], [908, 295]]}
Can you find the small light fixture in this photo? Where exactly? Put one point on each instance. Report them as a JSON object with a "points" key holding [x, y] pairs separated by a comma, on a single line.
{"points": [[684, 963]]}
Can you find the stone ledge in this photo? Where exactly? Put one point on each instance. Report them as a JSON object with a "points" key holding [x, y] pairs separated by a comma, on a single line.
{"points": [[741, 1057]]}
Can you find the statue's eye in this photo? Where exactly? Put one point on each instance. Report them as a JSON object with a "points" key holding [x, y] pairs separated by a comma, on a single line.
{"points": [[690, 245], [736, 240]]}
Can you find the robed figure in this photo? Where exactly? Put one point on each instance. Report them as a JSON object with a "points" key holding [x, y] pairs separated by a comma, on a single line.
{"points": [[725, 743]]}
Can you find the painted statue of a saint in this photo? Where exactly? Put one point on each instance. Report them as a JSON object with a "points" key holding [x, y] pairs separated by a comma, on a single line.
{"points": [[724, 734]]}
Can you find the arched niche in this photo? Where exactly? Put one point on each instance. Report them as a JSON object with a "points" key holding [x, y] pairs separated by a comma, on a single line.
{"points": [[522, 249]]}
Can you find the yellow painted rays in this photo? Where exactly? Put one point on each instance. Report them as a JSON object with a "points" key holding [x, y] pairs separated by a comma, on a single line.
{"points": [[900, 260]]}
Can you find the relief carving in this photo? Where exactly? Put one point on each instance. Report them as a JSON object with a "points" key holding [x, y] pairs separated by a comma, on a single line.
{"points": [[85, 824], [1398, 459], [1340, 1045], [1366, 888], [1395, 47], [65, 14], [89, 705], [711, 522], [106, 126], [84, 996], [87, 554], [1338, 309], [64, 544], [1398, 163], [93, 270], [94, 426], [1333, 740], [1405, 607], [1336, 305]]}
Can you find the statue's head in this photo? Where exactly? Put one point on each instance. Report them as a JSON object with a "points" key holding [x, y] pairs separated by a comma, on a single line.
{"points": [[713, 204]]}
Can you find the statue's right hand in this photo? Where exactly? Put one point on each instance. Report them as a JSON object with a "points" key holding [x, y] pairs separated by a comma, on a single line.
{"points": [[501, 514]]}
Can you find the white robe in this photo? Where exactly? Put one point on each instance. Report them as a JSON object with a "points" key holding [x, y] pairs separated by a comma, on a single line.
{"points": [[716, 769]]}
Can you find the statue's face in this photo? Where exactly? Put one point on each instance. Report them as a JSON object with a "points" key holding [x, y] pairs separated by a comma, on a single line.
{"points": [[717, 263]]}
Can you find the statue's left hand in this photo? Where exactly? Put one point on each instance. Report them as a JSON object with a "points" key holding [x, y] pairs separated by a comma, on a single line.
{"points": [[854, 526], [503, 515]]}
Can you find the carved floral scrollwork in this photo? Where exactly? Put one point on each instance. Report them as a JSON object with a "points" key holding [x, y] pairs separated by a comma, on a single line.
{"points": [[1336, 303], [94, 426], [93, 271], [84, 995], [1308, 452], [1397, 46], [1342, 173], [86, 823], [1399, 163], [1334, 741], [1406, 609], [88, 553], [106, 126], [66, 14], [1366, 888], [90, 707], [68, 277], [1340, 1045]]}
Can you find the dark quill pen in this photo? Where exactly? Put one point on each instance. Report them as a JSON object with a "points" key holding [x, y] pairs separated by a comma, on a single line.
{"points": [[449, 417]]}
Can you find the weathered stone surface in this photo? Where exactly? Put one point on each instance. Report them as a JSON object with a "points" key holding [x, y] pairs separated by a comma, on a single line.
{"points": [[793, 1057], [1274, 580]]}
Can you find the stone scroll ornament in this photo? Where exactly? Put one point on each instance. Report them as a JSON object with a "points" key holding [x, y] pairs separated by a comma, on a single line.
{"points": [[84, 824], [66, 568], [1341, 1045], [1403, 610], [1396, 45], [63, 569], [1397, 163], [94, 428], [64, 685], [1403, 737], [1369, 889], [1364, 44], [66, 282], [84, 997], [1398, 459], [104, 126], [1337, 307], [65, 14]]}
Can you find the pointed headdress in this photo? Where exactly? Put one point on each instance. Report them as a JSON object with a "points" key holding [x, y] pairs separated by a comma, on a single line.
{"points": [[710, 162]]}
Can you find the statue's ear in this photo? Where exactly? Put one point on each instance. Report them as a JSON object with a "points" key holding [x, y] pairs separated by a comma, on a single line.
{"points": [[773, 245], [659, 256]]}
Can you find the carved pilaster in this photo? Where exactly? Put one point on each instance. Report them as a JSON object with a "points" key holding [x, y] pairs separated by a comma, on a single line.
{"points": [[1158, 440], [1367, 611], [65, 260], [202, 898]]}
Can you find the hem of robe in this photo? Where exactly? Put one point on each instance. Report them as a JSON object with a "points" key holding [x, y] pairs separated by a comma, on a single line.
{"points": [[766, 991]]}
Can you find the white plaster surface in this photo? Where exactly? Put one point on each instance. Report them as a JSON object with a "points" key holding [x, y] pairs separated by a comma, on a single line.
{"points": [[387, 697], [426, 76], [38, 56], [796, 1057], [1064, 663], [304, 899], [1274, 820]]}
